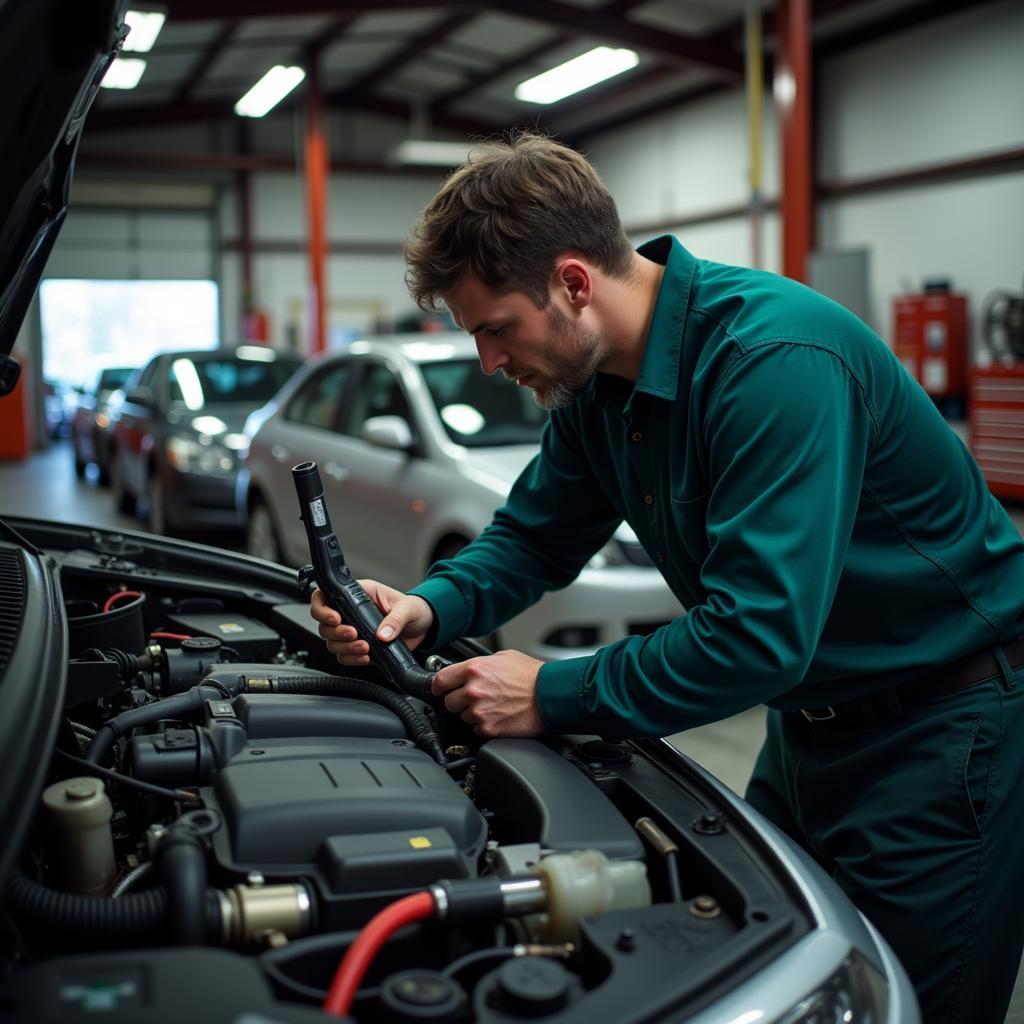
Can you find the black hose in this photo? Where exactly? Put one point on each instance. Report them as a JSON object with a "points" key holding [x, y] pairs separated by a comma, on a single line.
{"points": [[133, 916], [181, 861], [170, 707], [420, 731]]}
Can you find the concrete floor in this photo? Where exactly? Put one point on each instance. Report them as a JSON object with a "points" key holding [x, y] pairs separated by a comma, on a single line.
{"points": [[45, 486]]}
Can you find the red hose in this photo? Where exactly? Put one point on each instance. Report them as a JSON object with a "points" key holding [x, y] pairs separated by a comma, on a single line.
{"points": [[377, 931], [169, 636], [114, 598]]}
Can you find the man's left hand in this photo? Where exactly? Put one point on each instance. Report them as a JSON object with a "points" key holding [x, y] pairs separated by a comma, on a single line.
{"points": [[495, 694]]}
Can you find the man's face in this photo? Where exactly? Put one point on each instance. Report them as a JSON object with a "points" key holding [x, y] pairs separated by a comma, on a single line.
{"points": [[541, 349]]}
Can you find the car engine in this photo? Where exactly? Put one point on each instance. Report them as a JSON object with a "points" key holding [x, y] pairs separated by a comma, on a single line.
{"points": [[225, 819]]}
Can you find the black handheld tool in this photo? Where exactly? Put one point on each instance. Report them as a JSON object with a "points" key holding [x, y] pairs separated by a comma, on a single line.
{"points": [[342, 589]]}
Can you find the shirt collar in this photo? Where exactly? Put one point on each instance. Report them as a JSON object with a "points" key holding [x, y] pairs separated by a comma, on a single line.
{"points": [[659, 369]]}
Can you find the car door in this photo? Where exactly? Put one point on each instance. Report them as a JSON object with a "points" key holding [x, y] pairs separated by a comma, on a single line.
{"points": [[378, 498], [305, 428]]}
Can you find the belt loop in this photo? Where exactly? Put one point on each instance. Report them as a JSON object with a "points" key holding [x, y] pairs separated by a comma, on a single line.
{"points": [[1009, 681]]}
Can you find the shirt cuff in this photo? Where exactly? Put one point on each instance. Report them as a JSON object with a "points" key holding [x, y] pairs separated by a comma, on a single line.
{"points": [[450, 612], [559, 695]]}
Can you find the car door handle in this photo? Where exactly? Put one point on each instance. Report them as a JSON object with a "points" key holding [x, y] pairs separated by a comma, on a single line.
{"points": [[280, 452], [336, 471]]}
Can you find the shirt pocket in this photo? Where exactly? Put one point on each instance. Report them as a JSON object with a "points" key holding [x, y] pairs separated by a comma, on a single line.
{"points": [[690, 522]]}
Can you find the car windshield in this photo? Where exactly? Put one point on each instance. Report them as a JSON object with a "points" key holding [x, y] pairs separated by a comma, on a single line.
{"points": [[480, 411], [113, 378], [198, 382]]}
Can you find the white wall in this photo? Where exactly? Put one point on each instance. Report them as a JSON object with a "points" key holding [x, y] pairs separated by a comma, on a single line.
{"points": [[948, 90]]}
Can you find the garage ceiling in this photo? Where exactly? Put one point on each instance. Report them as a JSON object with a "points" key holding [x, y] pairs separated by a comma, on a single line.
{"points": [[453, 67]]}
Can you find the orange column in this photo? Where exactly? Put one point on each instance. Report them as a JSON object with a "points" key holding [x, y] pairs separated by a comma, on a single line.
{"points": [[316, 195], [792, 89]]}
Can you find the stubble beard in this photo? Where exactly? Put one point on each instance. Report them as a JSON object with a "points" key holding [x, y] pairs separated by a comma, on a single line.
{"points": [[573, 355]]}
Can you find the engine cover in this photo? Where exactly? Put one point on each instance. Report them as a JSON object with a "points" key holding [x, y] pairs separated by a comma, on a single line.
{"points": [[282, 800]]}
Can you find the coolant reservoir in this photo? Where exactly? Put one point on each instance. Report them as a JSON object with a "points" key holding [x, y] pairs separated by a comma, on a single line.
{"points": [[586, 882], [80, 843]]}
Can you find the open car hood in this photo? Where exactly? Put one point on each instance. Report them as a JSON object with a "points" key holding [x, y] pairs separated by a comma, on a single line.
{"points": [[53, 54]]}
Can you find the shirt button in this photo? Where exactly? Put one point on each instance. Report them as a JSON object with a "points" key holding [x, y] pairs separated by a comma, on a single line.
{"points": [[648, 499], [636, 436]]}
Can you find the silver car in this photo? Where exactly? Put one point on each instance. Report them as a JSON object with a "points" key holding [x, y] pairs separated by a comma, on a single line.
{"points": [[417, 448]]}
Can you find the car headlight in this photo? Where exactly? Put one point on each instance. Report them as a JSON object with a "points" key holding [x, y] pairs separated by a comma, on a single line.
{"points": [[610, 554], [193, 457], [856, 994]]}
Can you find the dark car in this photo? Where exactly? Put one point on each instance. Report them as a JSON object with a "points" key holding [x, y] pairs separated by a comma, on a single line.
{"points": [[202, 821], [90, 424], [177, 431]]}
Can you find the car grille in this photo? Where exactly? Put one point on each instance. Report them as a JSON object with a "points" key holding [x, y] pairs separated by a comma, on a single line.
{"points": [[12, 603]]}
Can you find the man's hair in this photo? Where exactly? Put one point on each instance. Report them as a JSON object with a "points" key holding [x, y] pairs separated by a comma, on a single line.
{"points": [[507, 214]]}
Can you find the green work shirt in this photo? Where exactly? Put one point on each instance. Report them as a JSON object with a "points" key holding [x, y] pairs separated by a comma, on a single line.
{"points": [[826, 530]]}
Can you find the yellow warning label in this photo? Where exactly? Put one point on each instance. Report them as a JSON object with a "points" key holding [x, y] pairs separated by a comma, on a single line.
{"points": [[419, 842]]}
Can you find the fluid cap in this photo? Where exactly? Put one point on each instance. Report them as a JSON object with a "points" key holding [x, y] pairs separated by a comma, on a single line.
{"points": [[531, 986], [200, 645], [422, 995]]}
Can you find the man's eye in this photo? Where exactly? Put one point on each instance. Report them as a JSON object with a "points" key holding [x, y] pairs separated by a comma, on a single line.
{"points": [[497, 332]]}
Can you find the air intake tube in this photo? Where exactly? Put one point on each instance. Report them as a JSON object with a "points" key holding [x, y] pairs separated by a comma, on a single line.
{"points": [[343, 592]]}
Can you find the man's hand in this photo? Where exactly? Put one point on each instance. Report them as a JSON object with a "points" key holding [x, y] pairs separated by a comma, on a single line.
{"points": [[496, 694], [405, 615]]}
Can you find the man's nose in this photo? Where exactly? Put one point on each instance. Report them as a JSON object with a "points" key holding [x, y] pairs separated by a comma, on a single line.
{"points": [[492, 356]]}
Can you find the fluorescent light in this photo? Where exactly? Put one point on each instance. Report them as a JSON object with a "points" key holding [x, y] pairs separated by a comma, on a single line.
{"points": [[124, 73], [579, 73], [430, 152], [144, 27], [269, 90]]}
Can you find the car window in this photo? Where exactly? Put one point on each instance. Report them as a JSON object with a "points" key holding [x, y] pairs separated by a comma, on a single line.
{"points": [[379, 394], [148, 375], [480, 411], [199, 381], [112, 378], [317, 402]]}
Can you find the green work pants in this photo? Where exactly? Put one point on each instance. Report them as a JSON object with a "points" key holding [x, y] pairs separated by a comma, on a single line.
{"points": [[919, 818]]}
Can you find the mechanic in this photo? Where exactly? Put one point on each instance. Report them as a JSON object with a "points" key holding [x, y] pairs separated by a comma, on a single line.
{"points": [[836, 545]]}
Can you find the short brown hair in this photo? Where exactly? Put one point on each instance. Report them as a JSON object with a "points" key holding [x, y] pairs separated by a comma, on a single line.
{"points": [[506, 214]]}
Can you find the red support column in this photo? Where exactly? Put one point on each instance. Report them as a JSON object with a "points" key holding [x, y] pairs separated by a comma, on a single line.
{"points": [[793, 106], [317, 168]]}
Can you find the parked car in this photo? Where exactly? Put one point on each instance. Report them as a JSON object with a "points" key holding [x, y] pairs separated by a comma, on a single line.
{"points": [[176, 432], [58, 408], [197, 829], [90, 424], [418, 449]]}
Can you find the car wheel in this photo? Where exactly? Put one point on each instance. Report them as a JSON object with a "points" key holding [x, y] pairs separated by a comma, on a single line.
{"points": [[123, 501], [156, 502], [261, 539], [80, 463]]}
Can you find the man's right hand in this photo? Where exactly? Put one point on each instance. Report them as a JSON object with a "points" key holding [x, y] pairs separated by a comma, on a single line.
{"points": [[405, 616]]}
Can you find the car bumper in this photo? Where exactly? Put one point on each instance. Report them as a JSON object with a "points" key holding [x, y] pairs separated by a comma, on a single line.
{"points": [[195, 499], [599, 607]]}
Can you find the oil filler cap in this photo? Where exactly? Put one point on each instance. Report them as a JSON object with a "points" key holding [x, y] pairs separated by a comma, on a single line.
{"points": [[200, 644], [531, 986]]}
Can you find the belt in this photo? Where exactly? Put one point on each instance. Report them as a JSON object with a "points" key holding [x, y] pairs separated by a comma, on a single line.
{"points": [[955, 675]]}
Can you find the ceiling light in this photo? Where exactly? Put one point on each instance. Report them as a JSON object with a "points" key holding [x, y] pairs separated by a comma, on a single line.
{"points": [[579, 73], [144, 27], [431, 152], [124, 73], [269, 90]]}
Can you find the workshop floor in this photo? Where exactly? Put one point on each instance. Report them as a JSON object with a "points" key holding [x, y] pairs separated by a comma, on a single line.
{"points": [[46, 486]]}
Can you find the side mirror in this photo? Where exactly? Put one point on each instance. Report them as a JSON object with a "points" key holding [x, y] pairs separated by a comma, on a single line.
{"points": [[139, 396], [388, 432]]}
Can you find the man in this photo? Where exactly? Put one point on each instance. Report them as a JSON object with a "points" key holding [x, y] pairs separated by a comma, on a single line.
{"points": [[835, 544]]}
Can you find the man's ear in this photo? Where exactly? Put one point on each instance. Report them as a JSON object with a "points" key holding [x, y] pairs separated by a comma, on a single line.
{"points": [[573, 279]]}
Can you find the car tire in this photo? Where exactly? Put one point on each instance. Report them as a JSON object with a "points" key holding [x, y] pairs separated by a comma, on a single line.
{"points": [[157, 518], [123, 501], [261, 537]]}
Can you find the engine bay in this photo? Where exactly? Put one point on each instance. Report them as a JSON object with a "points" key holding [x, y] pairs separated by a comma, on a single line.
{"points": [[223, 818]]}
